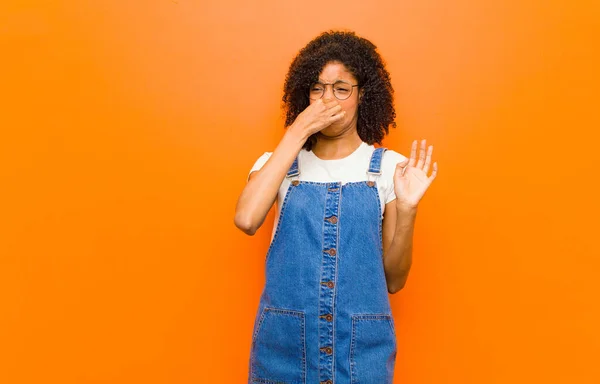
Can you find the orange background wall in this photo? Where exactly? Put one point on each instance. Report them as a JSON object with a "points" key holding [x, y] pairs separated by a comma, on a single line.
{"points": [[128, 129]]}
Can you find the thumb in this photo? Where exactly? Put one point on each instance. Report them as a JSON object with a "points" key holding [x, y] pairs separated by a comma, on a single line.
{"points": [[401, 166]]}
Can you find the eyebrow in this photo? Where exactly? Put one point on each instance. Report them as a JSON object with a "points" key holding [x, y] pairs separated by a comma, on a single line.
{"points": [[333, 82]]}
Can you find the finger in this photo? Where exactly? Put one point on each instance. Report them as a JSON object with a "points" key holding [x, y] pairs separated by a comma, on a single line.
{"points": [[401, 167], [413, 154], [330, 103], [422, 151], [428, 159], [336, 117], [319, 104], [434, 173], [403, 163], [334, 110]]}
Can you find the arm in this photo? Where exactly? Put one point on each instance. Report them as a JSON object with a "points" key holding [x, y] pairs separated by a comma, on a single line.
{"points": [[410, 184], [398, 230], [260, 192]]}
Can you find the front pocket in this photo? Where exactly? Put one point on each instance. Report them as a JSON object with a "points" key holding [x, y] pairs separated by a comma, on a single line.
{"points": [[278, 350], [372, 349]]}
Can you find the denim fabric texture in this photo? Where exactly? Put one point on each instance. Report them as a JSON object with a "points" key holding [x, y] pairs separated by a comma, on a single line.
{"points": [[324, 315]]}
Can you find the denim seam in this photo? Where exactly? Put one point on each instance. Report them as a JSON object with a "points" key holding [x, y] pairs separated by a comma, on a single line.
{"points": [[379, 220], [252, 355], [303, 338], [285, 311], [260, 321], [383, 316], [323, 261], [258, 380], [352, 349], [325, 183], [371, 316], [337, 246], [280, 219], [304, 348]]}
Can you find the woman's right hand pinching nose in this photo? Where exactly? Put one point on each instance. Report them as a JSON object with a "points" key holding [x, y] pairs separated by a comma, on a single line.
{"points": [[317, 116]]}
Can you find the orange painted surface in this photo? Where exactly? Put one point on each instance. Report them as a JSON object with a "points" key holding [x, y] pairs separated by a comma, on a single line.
{"points": [[128, 128]]}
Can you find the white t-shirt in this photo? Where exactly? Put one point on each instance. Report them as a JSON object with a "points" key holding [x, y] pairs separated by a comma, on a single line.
{"points": [[351, 168]]}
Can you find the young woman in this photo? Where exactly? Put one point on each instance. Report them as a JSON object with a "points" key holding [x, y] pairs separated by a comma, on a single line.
{"points": [[342, 238]]}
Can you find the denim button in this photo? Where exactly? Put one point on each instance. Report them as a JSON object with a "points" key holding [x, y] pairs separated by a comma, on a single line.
{"points": [[327, 382], [295, 183], [370, 183], [327, 350], [332, 252], [333, 220]]}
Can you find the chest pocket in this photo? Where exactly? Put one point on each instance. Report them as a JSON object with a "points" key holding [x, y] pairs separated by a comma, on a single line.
{"points": [[372, 349], [278, 348]]}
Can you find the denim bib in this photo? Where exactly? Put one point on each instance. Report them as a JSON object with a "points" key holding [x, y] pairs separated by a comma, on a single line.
{"points": [[324, 315]]}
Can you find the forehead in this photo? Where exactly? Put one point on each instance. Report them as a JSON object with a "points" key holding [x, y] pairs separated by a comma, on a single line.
{"points": [[334, 71]]}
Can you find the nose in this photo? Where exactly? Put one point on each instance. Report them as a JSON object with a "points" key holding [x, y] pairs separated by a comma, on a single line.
{"points": [[328, 93]]}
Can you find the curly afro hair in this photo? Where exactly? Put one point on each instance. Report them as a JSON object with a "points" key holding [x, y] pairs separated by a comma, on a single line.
{"points": [[376, 109]]}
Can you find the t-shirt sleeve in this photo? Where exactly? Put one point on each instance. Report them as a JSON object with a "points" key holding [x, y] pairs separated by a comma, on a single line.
{"points": [[389, 161], [259, 163]]}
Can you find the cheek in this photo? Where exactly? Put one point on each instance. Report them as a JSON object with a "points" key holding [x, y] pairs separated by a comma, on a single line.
{"points": [[351, 108]]}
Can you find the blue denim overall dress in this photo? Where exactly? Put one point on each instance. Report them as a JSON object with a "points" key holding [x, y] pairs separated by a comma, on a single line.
{"points": [[324, 315]]}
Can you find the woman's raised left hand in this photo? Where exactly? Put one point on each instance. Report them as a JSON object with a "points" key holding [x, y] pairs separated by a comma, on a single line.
{"points": [[411, 179]]}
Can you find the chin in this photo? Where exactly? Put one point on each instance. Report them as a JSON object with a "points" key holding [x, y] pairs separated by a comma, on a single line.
{"points": [[334, 129]]}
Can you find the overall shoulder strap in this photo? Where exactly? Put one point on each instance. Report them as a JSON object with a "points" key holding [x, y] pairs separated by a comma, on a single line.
{"points": [[375, 164], [294, 170]]}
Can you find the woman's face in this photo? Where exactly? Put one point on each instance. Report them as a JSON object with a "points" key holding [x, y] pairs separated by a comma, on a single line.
{"points": [[331, 73]]}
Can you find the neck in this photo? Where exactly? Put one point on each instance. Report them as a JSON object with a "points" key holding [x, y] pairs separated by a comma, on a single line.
{"points": [[331, 148]]}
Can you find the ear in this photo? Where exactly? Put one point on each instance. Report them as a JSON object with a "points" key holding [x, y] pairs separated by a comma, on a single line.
{"points": [[360, 94]]}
